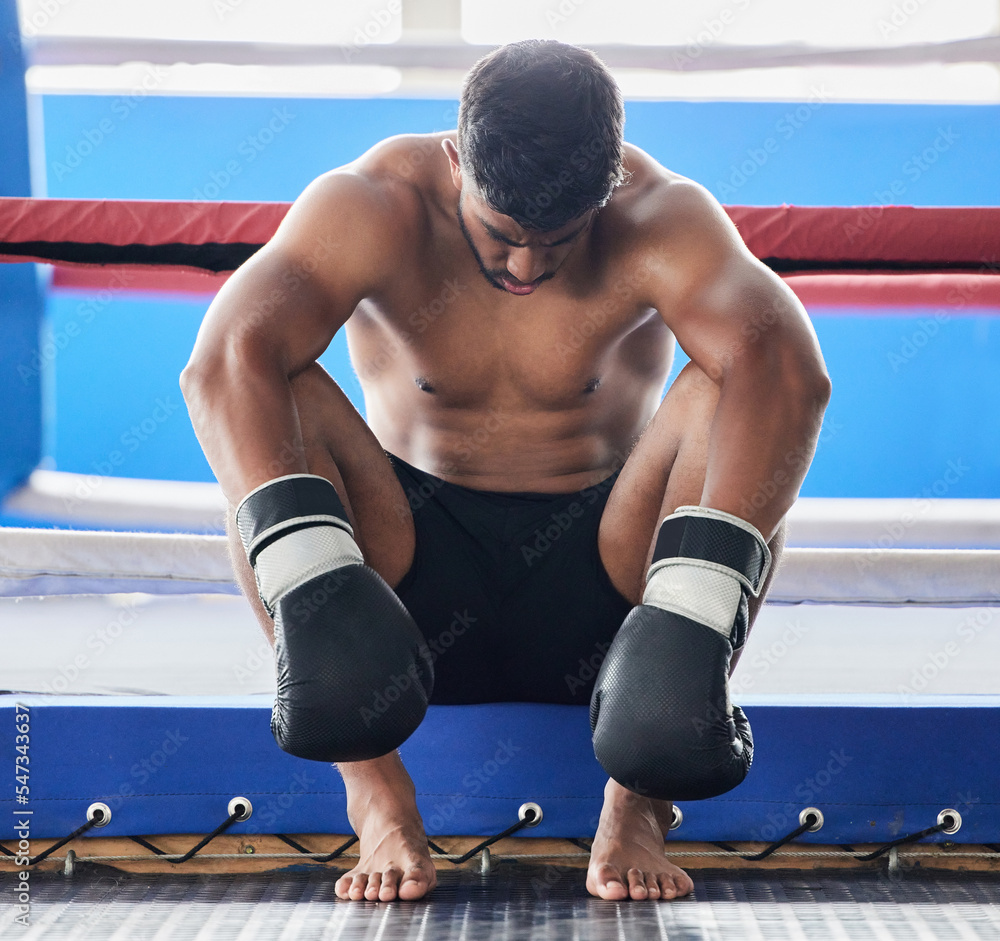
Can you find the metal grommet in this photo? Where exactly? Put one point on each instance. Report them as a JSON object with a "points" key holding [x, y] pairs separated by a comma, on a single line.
{"points": [[486, 863], [676, 817], [530, 814], [242, 807], [99, 813], [955, 817], [815, 813]]}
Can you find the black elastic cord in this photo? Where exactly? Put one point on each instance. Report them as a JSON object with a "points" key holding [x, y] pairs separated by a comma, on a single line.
{"points": [[912, 838], [809, 822], [321, 859], [465, 857], [173, 858], [37, 859]]}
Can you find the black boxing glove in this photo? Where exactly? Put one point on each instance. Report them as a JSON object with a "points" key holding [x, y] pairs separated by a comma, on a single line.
{"points": [[353, 671], [661, 716]]}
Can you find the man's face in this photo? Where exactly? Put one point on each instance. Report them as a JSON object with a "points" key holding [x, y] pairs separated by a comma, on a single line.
{"points": [[511, 258]]}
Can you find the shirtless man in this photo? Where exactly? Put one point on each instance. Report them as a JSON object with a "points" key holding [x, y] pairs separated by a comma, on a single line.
{"points": [[511, 293]]}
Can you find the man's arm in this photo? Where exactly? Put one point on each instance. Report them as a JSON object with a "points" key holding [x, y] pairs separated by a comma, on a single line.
{"points": [[273, 318], [663, 720], [748, 332]]}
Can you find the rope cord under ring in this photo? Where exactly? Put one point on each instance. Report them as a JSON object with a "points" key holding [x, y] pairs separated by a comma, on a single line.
{"points": [[527, 820]]}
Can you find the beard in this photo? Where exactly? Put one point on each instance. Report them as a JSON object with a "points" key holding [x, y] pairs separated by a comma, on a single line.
{"points": [[493, 277]]}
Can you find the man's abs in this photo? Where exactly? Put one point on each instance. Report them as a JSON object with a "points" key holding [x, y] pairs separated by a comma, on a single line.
{"points": [[551, 415]]}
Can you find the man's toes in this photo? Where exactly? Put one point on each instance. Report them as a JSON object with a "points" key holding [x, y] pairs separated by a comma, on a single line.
{"points": [[684, 884], [390, 885], [354, 885], [415, 884], [652, 886], [343, 886], [372, 886], [607, 883], [667, 888], [637, 884], [358, 885]]}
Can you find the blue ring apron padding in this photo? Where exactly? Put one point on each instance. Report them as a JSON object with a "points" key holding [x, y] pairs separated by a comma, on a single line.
{"points": [[876, 767]]}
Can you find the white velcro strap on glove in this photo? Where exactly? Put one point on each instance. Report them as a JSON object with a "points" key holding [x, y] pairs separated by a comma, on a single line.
{"points": [[706, 595], [712, 513], [294, 559], [703, 591]]}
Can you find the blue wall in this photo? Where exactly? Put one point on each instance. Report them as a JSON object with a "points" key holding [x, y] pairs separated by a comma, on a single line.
{"points": [[819, 154], [908, 398], [20, 301]]}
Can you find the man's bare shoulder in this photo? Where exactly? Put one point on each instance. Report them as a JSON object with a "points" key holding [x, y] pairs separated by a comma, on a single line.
{"points": [[414, 160], [663, 206], [385, 191]]}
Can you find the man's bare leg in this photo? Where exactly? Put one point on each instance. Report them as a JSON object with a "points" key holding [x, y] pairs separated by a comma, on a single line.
{"points": [[381, 804], [665, 470]]}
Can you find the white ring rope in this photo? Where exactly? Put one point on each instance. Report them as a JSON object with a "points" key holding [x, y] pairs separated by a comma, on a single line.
{"points": [[92, 501], [58, 562]]}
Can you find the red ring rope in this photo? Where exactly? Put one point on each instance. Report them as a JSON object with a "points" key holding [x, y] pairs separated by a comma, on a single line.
{"points": [[882, 255]]}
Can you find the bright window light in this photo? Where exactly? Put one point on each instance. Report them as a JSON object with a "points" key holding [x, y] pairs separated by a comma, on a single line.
{"points": [[259, 81], [846, 23], [287, 21]]}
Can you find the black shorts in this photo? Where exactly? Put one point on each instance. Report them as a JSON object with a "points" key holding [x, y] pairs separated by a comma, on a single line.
{"points": [[509, 590]]}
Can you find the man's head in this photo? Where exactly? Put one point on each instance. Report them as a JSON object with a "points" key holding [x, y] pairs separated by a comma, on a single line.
{"points": [[539, 150]]}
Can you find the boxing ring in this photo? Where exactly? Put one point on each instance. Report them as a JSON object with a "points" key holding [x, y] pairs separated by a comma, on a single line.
{"points": [[154, 790]]}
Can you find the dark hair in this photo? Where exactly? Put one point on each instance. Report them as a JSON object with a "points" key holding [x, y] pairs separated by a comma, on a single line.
{"points": [[540, 128]]}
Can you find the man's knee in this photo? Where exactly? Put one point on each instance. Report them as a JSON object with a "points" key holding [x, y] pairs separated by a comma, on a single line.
{"points": [[696, 387]]}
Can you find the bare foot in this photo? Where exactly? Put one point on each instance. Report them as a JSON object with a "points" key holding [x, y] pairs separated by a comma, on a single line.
{"points": [[627, 859], [381, 805]]}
